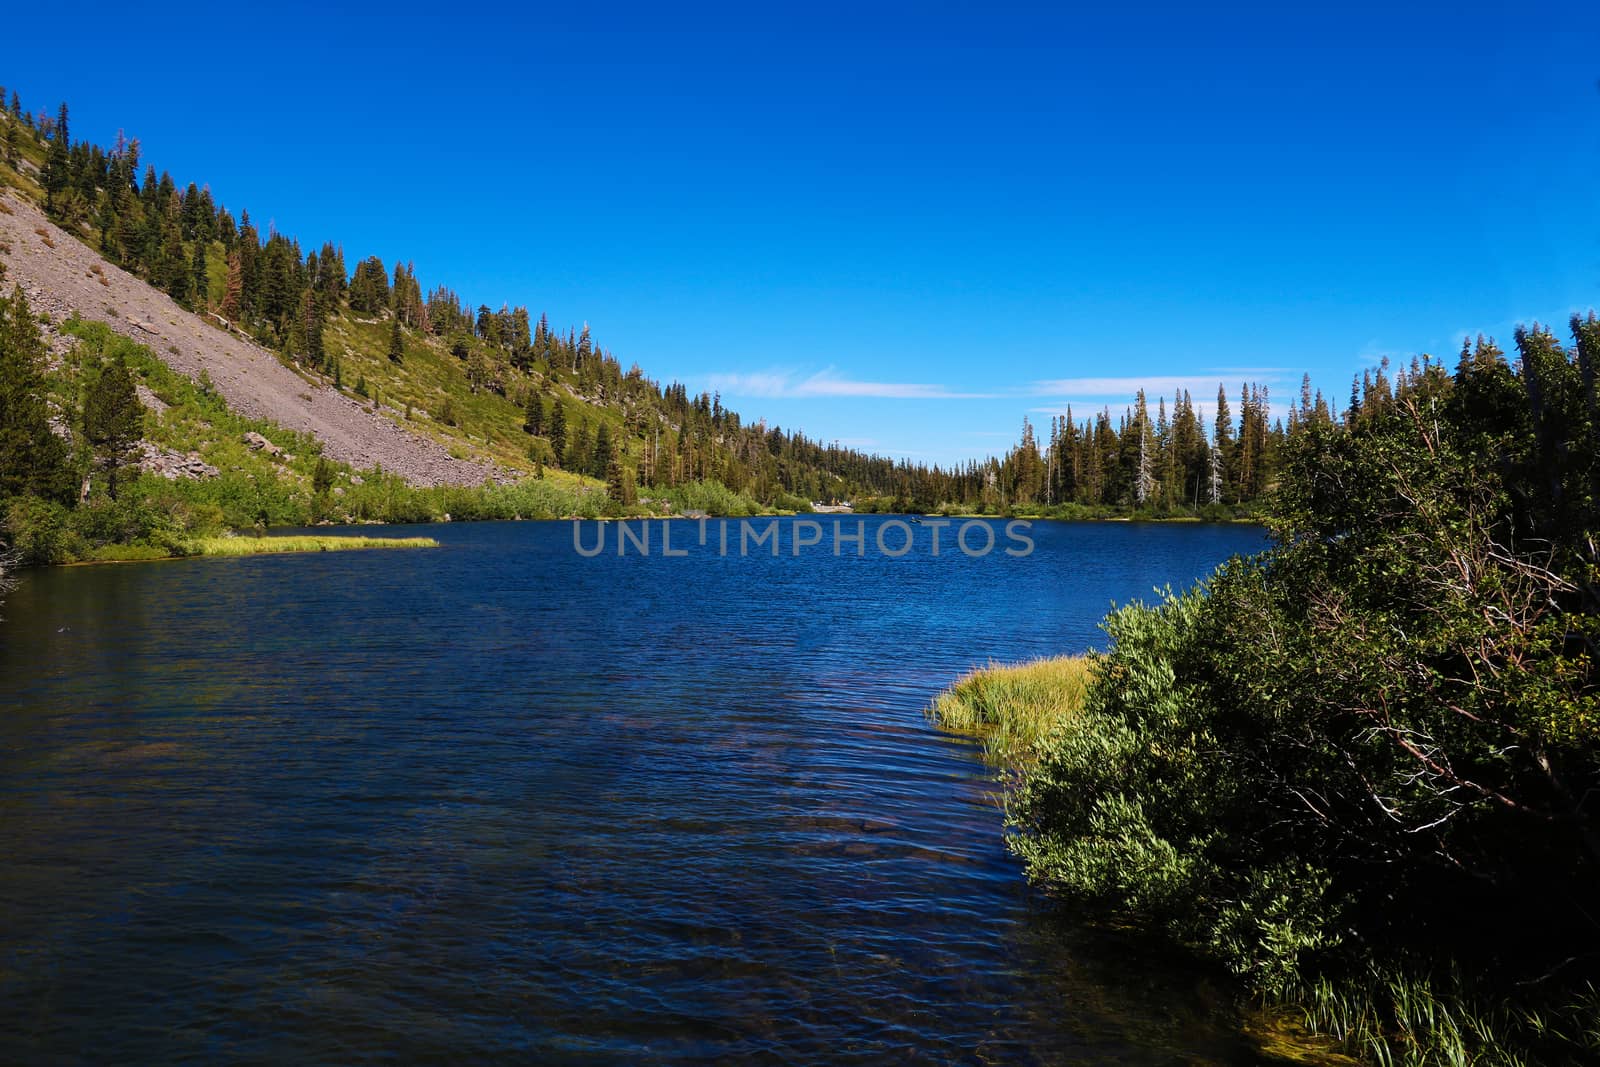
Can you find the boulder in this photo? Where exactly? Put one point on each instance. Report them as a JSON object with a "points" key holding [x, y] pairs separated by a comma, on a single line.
{"points": [[258, 443]]}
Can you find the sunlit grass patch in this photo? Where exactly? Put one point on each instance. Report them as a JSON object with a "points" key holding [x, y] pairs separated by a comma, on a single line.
{"points": [[252, 546], [1014, 706]]}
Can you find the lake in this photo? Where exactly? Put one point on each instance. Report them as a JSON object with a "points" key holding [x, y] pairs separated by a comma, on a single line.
{"points": [[499, 799]]}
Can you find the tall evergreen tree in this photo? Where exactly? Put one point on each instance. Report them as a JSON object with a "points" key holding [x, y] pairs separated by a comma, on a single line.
{"points": [[32, 458], [199, 279], [397, 344], [533, 420], [584, 348], [233, 288], [601, 456], [113, 419], [558, 431], [311, 313], [56, 173], [613, 471]]}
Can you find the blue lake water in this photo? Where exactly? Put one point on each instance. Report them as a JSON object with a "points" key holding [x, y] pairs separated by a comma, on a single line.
{"points": [[501, 800]]}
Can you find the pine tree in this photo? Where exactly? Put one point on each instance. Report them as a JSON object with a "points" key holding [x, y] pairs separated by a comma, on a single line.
{"points": [[1214, 474], [311, 316], [521, 342], [533, 423], [233, 288], [56, 172], [558, 431], [199, 280], [397, 345], [369, 289], [601, 456], [174, 266], [580, 450], [613, 469], [1222, 438], [1144, 461], [322, 477], [32, 458], [113, 419], [106, 223], [585, 347]]}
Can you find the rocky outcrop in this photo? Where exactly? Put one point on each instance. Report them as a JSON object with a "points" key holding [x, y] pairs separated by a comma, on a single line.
{"points": [[172, 465]]}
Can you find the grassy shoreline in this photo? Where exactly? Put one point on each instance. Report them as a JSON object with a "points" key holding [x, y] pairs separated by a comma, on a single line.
{"points": [[1011, 707], [249, 546], [1387, 1015]]}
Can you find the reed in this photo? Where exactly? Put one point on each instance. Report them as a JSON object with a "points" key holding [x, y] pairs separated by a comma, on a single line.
{"points": [[253, 546], [1012, 707]]}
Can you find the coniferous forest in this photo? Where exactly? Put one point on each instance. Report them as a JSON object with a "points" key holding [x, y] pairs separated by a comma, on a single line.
{"points": [[581, 412]]}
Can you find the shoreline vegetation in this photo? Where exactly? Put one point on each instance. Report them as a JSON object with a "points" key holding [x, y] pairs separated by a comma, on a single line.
{"points": [[1011, 708], [1358, 769], [246, 545]]}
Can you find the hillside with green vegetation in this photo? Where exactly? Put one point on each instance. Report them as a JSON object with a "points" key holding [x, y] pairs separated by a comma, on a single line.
{"points": [[110, 454], [506, 387], [493, 385]]}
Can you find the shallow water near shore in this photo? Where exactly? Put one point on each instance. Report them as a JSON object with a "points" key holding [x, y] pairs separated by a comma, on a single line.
{"points": [[497, 799]]}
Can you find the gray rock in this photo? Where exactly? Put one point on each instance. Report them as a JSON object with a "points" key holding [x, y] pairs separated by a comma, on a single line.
{"points": [[172, 465], [258, 443]]}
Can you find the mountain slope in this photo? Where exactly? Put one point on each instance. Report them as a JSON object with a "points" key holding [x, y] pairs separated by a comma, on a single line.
{"points": [[62, 276]]}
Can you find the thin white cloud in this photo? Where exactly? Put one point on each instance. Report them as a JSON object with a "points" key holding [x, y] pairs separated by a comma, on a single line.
{"points": [[828, 383]]}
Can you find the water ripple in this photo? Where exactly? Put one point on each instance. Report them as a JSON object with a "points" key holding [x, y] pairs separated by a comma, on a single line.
{"points": [[499, 801]]}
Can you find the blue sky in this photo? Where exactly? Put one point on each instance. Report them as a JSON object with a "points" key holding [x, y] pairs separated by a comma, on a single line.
{"points": [[902, 226]]}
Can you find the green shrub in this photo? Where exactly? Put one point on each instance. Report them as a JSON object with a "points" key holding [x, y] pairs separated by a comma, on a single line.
{"points": [[40, 532], [712, 497], [1364, 762]]}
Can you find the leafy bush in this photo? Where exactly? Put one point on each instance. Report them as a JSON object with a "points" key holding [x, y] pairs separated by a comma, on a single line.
{"points": [[40, 532], [712, 497], [1372, 751]]}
